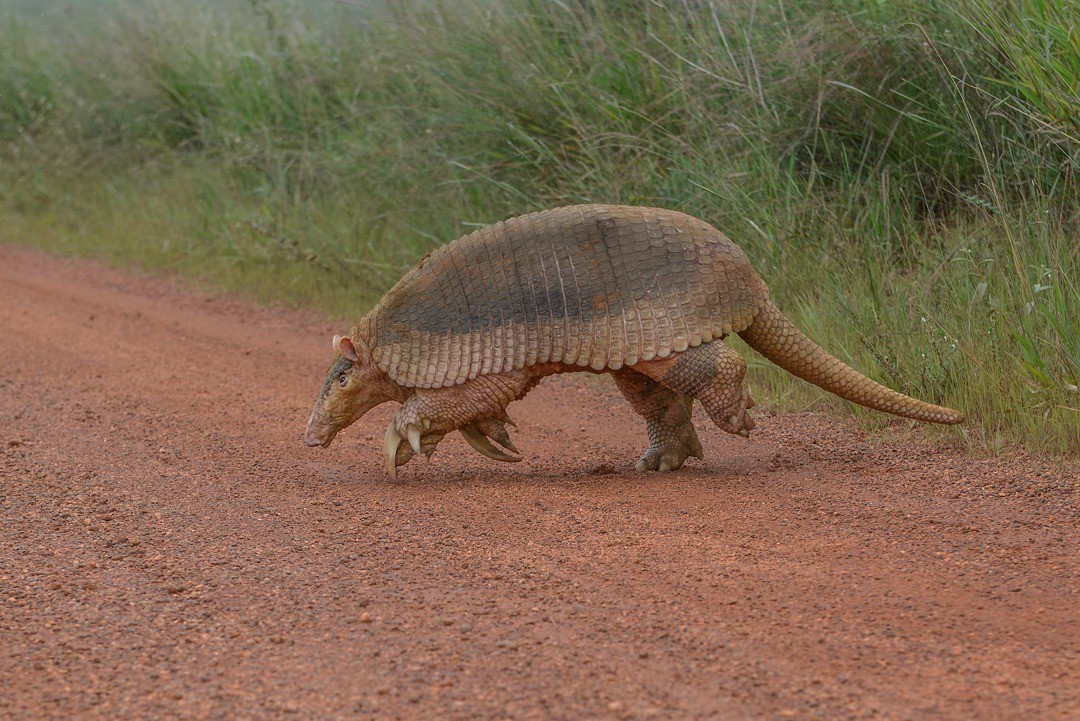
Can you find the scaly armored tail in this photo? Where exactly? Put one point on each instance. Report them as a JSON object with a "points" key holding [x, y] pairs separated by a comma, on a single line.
{"points": [[772, 335]]}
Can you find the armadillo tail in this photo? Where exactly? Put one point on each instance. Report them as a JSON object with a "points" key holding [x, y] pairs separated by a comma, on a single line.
{"points": [[774, 336]]}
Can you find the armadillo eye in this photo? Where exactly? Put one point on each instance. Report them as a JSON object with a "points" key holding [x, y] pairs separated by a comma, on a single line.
{"points": [[343, 380]]}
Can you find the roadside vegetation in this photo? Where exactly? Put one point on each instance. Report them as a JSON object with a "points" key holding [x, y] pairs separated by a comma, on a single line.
{"points": [[904, 174]]}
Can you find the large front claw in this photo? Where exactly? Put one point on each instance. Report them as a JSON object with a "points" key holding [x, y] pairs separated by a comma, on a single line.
{"points": [[397, 453], [409, 435], [477, 408], [478, 432]]}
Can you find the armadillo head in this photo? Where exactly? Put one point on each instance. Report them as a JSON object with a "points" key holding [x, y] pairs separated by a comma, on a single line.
{"points": [[353, 386]]}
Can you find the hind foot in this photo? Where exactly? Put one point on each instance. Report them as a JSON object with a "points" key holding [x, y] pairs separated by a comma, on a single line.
{"points": [[672, 438], [735, 418], [713, 374], [670, 452]]}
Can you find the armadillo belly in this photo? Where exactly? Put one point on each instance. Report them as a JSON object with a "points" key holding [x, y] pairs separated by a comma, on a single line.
{"points": [[595, 286]]}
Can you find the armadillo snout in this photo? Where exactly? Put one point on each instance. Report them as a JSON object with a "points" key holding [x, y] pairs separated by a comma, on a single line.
{"points": [[318, 435]]}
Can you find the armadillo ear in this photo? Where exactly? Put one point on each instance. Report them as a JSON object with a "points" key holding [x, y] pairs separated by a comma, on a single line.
{"points": [[345, 346]]}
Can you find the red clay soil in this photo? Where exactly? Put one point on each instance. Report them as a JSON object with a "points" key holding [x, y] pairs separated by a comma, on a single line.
{"points": [[170, 549]]}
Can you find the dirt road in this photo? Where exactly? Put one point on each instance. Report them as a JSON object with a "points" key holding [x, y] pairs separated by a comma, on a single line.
{"points": [[170, 549]]}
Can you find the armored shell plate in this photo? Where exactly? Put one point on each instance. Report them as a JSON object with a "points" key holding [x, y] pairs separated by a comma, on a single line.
{"points": [[598, 286]]}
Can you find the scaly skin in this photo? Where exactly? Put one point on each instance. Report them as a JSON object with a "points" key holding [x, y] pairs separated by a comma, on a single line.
{"points": [[478, 322], [713, 374], [672, 438], [479, 406], [773, 336]]}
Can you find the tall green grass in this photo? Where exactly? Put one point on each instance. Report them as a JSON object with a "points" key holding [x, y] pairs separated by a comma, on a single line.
{"points": [[904, 175]]}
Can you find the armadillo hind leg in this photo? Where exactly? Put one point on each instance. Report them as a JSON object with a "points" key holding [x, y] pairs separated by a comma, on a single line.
{"points": [[713, 374], [672, 438]]}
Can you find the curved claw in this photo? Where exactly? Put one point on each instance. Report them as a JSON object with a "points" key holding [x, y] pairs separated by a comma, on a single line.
{"points": [[495, 430], [480, 442], [414, 438], [391, 442], [506, 443]]}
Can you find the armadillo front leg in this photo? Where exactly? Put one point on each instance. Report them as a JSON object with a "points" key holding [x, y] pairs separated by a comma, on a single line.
{"points": [[672, 438], [713, 374], [477, 408]]}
